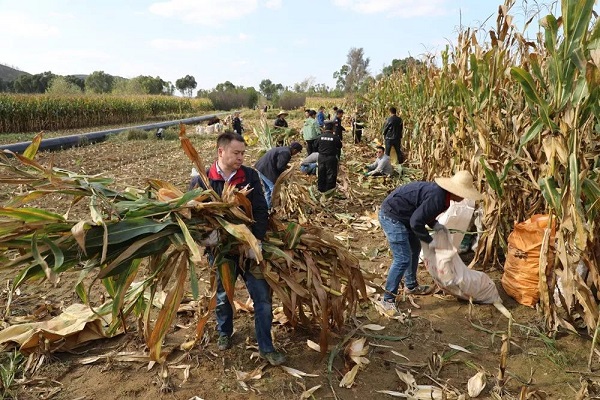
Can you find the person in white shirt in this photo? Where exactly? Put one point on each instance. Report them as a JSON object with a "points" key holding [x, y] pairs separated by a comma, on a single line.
{"points": [[381, 166]]}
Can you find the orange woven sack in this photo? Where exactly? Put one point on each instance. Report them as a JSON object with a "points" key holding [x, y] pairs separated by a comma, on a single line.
{"points": [[520, 279]]}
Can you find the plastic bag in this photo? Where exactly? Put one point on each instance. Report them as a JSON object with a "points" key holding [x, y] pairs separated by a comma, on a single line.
{"points": [[458, 216], [520, 279], [453, 276]]}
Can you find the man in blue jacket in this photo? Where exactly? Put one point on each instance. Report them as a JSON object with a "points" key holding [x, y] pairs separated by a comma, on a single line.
{"points": [[229, 169], [273, 163], [403, 216]]}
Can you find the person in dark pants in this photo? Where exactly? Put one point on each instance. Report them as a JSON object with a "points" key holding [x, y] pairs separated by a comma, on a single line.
{"points": [[229, 169], [273, 163], [329, 147], [339, 127], [392, 134], [403, 216], [280, 122], [237, 123], [311, 131]]}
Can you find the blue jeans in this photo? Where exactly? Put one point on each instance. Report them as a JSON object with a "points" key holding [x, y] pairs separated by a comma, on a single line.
{"points": [[260, 293], [309, 169], [405, 247], [268, 186]]}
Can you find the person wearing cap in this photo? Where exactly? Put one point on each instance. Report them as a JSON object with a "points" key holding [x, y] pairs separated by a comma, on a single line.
{"points": [[339, 128], [403, 216], [280, 122], [272, 164], [329, 147], [310, 131]]}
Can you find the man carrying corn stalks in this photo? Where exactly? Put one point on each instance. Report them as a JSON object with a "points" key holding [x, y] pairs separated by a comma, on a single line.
{"points": [[229, 169], [272, 164], [403, 216]]}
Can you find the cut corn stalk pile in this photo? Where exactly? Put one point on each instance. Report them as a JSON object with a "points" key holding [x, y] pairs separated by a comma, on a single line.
{"points": [[315, 278]]}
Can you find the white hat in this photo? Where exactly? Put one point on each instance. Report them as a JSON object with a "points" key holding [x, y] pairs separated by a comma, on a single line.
{"points": [[282, 112], [461, 184]]}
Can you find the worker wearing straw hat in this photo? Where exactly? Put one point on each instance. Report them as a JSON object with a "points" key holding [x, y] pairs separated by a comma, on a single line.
{"points": [[280, 122], [403, 216]]}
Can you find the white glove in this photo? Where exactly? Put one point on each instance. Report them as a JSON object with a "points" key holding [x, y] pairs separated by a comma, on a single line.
{"points": [[432, 245], [211, 240], [439, 227], [251, 254]]}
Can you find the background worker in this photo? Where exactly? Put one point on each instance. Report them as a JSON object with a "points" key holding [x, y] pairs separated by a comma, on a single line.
{"points": [[381, 166], [229, 169], [310, 131], [309, 164], [339, 127], [273, 163], [237, 123], [403, 216], [392, 134], [329, 147], [280, 122]]}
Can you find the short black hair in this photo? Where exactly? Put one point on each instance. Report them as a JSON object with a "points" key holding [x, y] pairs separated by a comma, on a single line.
{"points": [[335, 108], [227, 137], [312, 112], [380, 148], [393, 110]]}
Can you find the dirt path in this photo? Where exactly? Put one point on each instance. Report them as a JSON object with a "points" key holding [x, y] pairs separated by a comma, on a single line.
{"points": [[421, 342]]}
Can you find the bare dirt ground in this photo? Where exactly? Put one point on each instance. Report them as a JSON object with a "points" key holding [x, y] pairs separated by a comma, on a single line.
{"points": [[420, 344]]}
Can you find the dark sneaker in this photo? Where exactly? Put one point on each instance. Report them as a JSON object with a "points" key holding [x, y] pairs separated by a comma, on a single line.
{"points": [[420, 290], [224, 342], [274, 357]]}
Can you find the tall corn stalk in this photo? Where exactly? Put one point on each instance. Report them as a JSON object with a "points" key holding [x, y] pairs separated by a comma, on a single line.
{"points": [[523, 117]]}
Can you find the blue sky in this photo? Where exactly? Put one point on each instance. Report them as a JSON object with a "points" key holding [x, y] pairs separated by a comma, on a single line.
{"points": [[243, 41]]}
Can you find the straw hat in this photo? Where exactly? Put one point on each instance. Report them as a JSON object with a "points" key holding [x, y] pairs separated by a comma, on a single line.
{"points": [[461, 184], [282, 112]]}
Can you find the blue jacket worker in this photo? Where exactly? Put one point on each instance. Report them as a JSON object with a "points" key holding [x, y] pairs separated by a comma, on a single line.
{"points": [[273, 163], [228, 169], [403, 216]]}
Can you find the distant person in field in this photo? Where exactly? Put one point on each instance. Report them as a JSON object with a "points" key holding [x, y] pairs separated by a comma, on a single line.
{"points": [[381, 166], [357, 129], [228, 169], [310, 131], [331, 116], [329, 147], [237, 123], [280, 122], [392, 134], [339, 128], [272, 164], [321, 117]]}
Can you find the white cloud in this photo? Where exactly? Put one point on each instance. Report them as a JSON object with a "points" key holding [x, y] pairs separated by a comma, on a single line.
{"points": [[396, 8], [273, 4], [21, 25], [243, 37], [204, 12], [201, 43]]}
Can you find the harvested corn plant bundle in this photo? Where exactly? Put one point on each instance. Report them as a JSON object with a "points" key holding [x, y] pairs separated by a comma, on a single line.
{"points": [[310, 271]]}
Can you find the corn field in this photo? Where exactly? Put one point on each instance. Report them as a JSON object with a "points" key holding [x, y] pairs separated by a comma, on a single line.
{"points": [[523, 116], [31, 113]]}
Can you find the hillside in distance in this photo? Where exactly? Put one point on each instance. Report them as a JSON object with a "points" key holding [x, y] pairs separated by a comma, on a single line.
{"points": [[10, 74]]}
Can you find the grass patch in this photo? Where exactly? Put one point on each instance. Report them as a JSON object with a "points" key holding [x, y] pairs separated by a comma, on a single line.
{"points": [[136, 134]]}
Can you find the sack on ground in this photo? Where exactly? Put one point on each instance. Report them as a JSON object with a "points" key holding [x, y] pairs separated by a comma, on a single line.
{"points": [[521, 278], [454, 277]]}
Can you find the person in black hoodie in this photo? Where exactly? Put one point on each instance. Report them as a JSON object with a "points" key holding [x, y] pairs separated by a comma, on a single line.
{"points": [[273, 163], [339, 127], [237, 123], [228, 169], [392, 134], [329, 147]]}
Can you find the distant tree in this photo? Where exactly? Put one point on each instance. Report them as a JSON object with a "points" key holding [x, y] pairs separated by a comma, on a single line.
{"points": [[186, 85], [225, 86], [227, 96], [37, 83], [151, 85], [60, 85], [353, 74], [128, 86], [99, 82], [6, 86], [269, 89], [168, 88], [76, 81], [401, 65], [305, 86]]}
